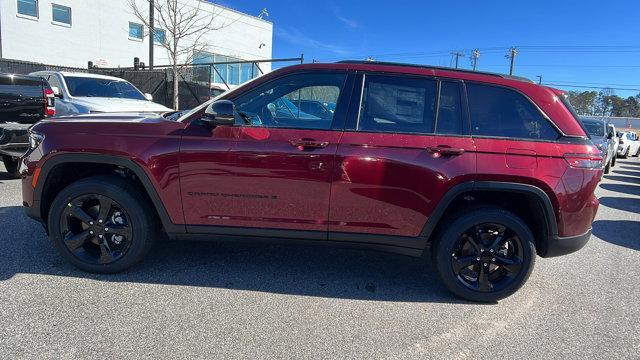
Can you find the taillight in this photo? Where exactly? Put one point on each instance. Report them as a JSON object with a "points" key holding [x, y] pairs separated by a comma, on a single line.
{"points": [[584, 161], [49, 103]]}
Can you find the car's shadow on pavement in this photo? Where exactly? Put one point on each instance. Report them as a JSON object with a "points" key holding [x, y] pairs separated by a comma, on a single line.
{"points": [[284, 269], [629, 179], [628, 173], [622, 188], [617, 232], [624, 204]]}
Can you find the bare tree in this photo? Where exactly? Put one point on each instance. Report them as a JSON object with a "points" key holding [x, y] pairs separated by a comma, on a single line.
{"points": [[185, 25]]}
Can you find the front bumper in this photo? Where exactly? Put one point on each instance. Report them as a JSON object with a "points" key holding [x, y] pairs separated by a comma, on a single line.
{"points": [[558, 246], [14, 139]]}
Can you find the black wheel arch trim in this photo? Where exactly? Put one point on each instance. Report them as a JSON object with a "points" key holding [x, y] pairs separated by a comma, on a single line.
{"points": [[498, 186], [59, 159]]}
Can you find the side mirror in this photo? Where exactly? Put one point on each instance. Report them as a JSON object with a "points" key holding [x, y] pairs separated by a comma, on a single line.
{"points": [[221, 112], [148, 96], [610, 136], [56, 92]]}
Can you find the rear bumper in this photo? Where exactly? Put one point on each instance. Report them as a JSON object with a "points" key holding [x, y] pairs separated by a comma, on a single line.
{"points": [[558, 246]]}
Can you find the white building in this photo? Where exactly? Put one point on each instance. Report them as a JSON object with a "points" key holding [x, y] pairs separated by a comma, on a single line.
{"points": [[74, 32]]}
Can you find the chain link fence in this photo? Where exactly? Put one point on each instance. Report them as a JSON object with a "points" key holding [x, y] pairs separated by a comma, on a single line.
{"points": [[197, 82]]}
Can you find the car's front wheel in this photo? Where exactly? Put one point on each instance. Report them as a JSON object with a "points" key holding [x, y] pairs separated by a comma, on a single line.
{"points": [[485, 254], [102, 224], [12, 166]]}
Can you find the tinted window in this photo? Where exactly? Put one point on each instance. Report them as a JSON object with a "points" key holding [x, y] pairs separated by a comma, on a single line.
{"points": [[159, 36], [53, 81], [92, 87], [449, 109], [28, 7], [61, 14], [501, 112], [396, 104], [136, 31], [281, 102], [594, 127]]}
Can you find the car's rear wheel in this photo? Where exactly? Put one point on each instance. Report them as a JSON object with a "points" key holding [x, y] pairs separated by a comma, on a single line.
{"points": [[102, 224], [613, 160], [12, 166], [607, 168], [485, 254], [625, 154]]}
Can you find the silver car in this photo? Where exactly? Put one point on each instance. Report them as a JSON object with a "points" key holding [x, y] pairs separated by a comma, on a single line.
{"points": [[84, 93]]}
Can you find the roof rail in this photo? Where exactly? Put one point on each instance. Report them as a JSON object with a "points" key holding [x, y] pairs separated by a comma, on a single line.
{"points": [[505, 76]]}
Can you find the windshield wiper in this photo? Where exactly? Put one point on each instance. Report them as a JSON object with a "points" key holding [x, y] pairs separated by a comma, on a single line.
{"points": [[245, 117]]}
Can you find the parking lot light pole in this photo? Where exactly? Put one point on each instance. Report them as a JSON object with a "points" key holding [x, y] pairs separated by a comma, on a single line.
{"points": [[151, 33]]}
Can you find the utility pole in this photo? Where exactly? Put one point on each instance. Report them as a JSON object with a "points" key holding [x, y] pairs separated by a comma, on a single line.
{"points": [[474, 58], [457, 54], [539, 79], [512, 55], [152, 32]]}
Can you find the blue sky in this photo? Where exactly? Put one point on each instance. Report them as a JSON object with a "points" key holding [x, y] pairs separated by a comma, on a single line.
{"points": [[590, 43]]}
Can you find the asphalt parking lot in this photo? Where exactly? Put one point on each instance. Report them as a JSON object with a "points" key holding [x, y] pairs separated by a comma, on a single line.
{"points": [[206, 300]]}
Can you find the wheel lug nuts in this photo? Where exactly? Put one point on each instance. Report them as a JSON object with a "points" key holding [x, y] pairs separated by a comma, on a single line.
{"points": [[90, 222], [100, 221], [491, 250], [485, 264], [493, 259], [106, 229], [477, 259], [91, 232], [100, 236]]}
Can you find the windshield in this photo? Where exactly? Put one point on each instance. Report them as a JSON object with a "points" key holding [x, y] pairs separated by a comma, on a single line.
{"points": [[93, 87], [594, 127]]}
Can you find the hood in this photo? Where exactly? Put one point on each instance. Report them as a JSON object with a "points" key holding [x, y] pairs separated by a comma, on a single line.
{"points": [[98, 104], [141, 117]]}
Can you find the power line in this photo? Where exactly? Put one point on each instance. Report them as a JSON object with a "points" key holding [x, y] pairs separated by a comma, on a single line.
{"points": [[591, 87]]}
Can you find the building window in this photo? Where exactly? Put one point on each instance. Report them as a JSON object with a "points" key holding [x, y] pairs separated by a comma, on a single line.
{"points": [[159, 36], [28, 7], [136, 31], [231, 74], [61, 14]]}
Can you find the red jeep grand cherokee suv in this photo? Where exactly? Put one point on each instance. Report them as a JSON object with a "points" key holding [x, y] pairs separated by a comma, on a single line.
{"points": [[487, 170]]}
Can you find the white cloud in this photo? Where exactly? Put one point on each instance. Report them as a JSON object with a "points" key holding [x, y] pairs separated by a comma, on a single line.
{"points": [[294, 36]]}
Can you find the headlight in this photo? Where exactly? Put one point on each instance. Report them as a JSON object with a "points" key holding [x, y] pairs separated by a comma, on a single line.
{"points": [[35, 140]]}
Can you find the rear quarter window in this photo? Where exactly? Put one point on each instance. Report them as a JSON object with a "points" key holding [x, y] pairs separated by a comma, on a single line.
{"points": [[501, 112]]}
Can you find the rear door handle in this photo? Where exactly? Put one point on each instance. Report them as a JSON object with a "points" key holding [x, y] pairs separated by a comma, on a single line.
{"points": [[303, 144], [445, 150]]}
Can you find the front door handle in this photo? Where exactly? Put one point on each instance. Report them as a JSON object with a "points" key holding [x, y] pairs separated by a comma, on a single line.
{"points": [[445, 150], [305, 144]]}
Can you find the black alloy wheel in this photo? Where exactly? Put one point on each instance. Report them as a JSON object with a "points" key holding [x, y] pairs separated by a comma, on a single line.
{"points": [[487, 257], [484, 254], [96, 229], [103, 224]]}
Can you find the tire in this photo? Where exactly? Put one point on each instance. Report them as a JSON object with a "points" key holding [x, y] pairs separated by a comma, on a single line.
{"points": [[637, 153], [626, 154], [447, 251], [12, 166], [613, 160], [76, 220], [607, 168]]}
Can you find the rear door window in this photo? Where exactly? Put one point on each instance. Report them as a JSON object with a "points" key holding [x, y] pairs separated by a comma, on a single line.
{"points": [[397, 105], [450, 118], [501, 112]]}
